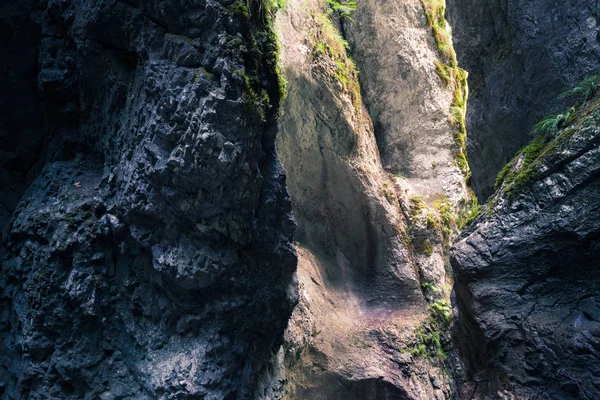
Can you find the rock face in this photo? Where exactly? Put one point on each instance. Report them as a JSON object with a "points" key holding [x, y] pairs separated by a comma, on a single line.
{"points": [[151, 257], [21, 117], [520, 56], [370, 266], [147, 232], [527, 274], [408, 102]]}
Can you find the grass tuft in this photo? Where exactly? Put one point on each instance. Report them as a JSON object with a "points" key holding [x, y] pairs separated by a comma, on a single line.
{"points": [[584, 90], [343, 9], [327, 42]]}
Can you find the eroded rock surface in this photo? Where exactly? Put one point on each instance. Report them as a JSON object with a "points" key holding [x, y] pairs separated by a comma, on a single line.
{"points": [[370, 264], [520, 56], [408, 102], [152, 256], [527, 274]]}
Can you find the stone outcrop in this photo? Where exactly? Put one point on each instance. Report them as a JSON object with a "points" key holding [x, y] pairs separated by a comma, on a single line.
{"points": [[527, 272], [520, 56], [371, 244], [151, 254], [396, 52]]}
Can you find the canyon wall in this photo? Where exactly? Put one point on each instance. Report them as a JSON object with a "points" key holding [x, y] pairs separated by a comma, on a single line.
{"points": [[527, 272], [373, 232], [148, 244], [150, 254], [521, 55]]}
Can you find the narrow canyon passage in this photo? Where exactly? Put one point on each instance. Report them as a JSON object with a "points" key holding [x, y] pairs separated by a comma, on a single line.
{"points": [[273, 200]]}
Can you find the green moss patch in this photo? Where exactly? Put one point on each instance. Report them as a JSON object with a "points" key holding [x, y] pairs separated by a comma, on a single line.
{"points": [[551, 135], [428, 336], [328, 44], [454, 77], [257, 50]]}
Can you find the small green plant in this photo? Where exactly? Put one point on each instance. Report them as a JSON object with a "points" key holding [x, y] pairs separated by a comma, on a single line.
{"points": [[240, 8], [428, 248], [419, 201], [328, 42], [470, 212], [428, 336], [432, 221], [448, 218], [255, 100], [430, 286], [441, 313], [445, 72], [584, 90], [417, 206], [550, 125], [343, 8], [320, 49]]}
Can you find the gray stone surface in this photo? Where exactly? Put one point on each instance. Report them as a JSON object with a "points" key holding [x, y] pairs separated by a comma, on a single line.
{"points": [[364, 289], [151, 257], [408, 102], [527, 277], [520, 54]]}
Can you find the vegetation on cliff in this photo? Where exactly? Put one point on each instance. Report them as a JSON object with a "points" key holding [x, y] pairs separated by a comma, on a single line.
{"points": [[455, 79], [550, 136], [453, 76], [264, 82], [330, 50]]}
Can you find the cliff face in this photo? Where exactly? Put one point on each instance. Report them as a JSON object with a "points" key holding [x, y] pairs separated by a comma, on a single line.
{"points": [[148, 245], [520, 56], [405, 96], [151, 254], [20, 106], [373, 311], [527, 273]]}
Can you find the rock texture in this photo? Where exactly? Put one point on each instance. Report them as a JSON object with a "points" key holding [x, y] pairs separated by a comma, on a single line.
{"points": [[21, 117], [527, 273], [370, 265], [520, 56], [151, 257], [408, 102]]}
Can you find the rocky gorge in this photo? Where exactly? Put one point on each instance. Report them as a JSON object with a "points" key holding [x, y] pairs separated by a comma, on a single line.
{"points": [[226, 199]]}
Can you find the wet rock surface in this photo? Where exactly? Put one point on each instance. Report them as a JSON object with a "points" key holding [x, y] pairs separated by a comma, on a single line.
{"points": [[151, 254], [520, 56], [527, 276]]}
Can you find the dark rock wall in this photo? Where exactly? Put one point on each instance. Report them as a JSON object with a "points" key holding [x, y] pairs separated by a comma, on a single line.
{"points": [[520, 54], [21, 115], [527, 277], [151, 254]]}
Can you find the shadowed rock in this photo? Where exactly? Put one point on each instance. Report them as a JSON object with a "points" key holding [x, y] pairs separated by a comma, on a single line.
{"points": [[520, 56], [527, 273], [152, 255]]}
